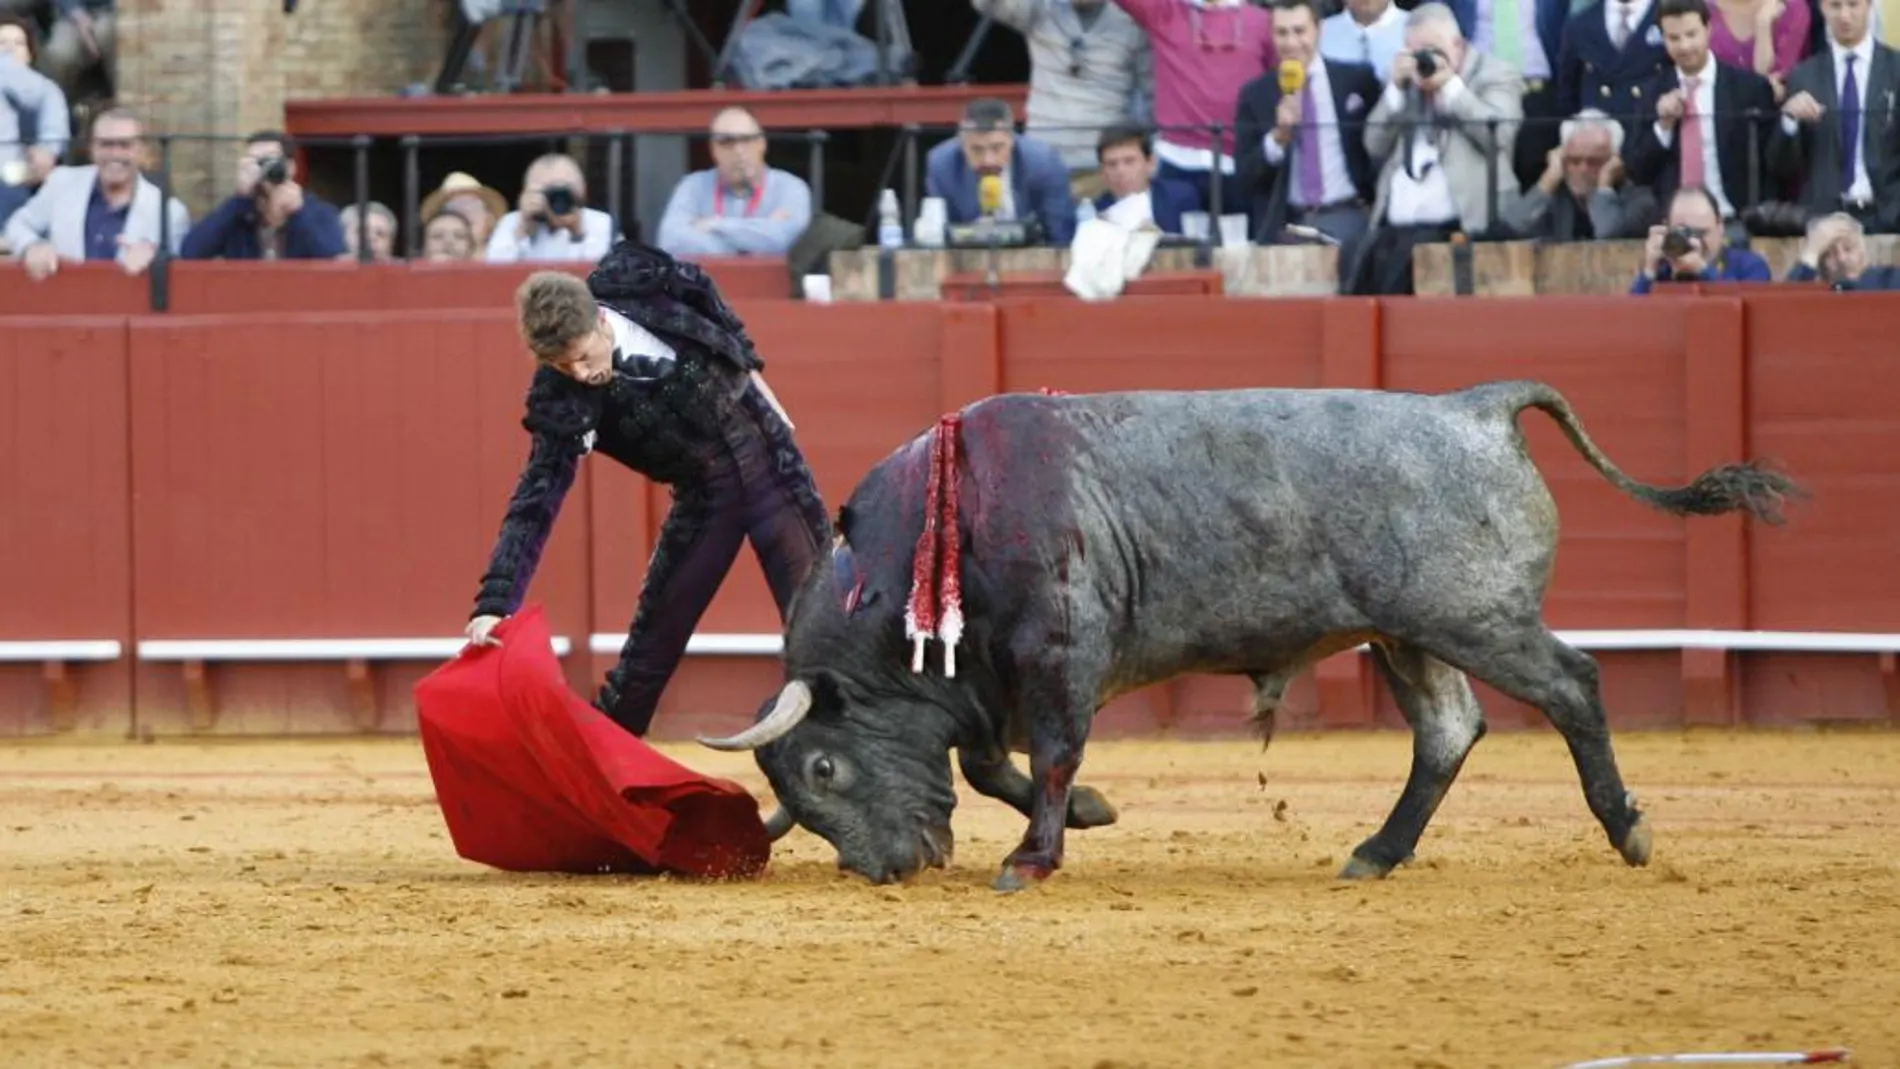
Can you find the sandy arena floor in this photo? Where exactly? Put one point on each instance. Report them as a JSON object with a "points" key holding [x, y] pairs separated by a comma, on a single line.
{"points": [[298, 904]]}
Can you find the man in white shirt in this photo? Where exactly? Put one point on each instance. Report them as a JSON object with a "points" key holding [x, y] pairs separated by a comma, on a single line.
{"points": [[1839, 125], [1696, 134], [645, 363], [1368, 32], [551, 222]]}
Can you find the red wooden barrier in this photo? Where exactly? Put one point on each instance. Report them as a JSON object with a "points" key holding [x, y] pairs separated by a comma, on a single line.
{"points": [[342, 474]]}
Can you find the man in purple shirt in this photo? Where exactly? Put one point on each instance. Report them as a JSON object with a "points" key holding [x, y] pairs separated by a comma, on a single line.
{"points": [[1205, 52]]}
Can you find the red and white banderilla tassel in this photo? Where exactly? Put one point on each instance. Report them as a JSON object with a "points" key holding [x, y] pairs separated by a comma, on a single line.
{"points": [[936, 595]]}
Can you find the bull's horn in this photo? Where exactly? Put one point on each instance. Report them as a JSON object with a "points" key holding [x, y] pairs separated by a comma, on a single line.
{"points": [[779, 824], [793, 703]]}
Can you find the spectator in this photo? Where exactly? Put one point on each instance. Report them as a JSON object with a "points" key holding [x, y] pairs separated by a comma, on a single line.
{"points": [[1204, 52], [1774, 41], [1084, 59], [551, 222], [1582, 195], [1324, 124], [35, 122], [1527, 35], [449, 237], [1128, 170], [1367, 32], [1689, 246], [105, 210], [1612, 52], [84, 36], [1035, 182], [1708, 103], [741, 206], [462, 194], [1835, 252], [382, 232], [269, 216], [1445, 140], [1847, 153]]}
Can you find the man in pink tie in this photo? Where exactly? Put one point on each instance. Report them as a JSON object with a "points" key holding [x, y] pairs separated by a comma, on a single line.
{"points": [[1697, 135]]}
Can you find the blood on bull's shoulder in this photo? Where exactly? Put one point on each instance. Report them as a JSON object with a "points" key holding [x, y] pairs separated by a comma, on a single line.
{"points": [[998, 579]]}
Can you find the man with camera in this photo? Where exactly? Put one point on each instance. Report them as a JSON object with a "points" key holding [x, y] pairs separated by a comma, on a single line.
{"points": [[1691, 246], [269, 216], [1444, 131], [551, 221]]}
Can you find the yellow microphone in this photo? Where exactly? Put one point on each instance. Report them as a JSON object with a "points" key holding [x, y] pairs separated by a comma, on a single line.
{"points": [[989, 193], [1292, 76]]}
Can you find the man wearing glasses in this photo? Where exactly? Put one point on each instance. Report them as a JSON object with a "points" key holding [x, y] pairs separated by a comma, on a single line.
{"points": [[739, 207], [105, 210]]}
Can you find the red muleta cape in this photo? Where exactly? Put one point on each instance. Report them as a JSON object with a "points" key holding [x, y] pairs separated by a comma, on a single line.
{"points": [[532, 778]]}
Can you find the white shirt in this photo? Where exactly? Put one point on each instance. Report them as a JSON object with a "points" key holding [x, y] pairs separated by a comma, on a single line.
{"points": [[597, 236], [1343, 39], [1332, 154], [1705, 115], [632, 339], [1533, 63], [1427, 198], [1863, 187], [1613, 11]]}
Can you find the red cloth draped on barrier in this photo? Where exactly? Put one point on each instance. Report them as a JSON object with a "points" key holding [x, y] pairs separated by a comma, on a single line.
{"points": [[532, 778]]}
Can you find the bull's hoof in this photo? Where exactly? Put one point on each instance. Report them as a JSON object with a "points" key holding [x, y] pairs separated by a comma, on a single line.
{"points": [[1019, 877], [1635, 845], [1089, 808], [1358, 868]]}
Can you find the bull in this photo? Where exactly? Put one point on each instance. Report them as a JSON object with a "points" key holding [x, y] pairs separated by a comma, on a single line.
{"points": [[1108, 542]]}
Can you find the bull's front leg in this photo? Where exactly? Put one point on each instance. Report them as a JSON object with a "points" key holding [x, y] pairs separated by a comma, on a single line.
{"points": [[991, 773], [1058, 727]]}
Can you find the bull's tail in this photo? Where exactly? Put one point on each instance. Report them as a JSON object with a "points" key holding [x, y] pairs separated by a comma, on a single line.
{"points": [[1748, 487]]}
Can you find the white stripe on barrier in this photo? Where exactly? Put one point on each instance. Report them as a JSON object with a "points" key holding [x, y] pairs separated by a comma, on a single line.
{"points": [[312, 649], [75, 650], [770, 645]]}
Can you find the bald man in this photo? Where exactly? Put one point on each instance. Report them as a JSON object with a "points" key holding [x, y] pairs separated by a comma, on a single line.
{"points": [[741, 206], [551, 221]]}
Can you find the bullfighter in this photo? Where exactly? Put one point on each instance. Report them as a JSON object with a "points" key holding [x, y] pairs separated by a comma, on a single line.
{"points": [[646, 363]]}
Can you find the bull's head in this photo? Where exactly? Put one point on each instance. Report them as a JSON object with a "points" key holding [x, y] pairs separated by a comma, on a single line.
{"points": [[856, 748]]}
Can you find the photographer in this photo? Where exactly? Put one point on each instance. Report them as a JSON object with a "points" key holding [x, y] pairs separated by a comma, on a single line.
{"points": [[1690, 247], [270, 216], [551, 221]]}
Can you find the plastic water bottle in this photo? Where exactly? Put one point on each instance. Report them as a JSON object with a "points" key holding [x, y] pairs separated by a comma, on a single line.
{"points": [[890, 228], [1084, 211]]}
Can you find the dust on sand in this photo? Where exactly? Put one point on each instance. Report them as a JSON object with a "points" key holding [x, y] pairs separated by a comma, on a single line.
{"points": [[298, 904]]}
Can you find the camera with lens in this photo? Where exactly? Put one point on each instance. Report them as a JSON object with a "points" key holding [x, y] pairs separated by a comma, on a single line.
{"points": [[560, 200], [1680, 241], [1426, 61], [273, 171]]}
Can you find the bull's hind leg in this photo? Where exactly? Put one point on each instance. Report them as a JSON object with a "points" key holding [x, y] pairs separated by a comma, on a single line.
{"points": [[1446, 723], [992, 773], [1524, 660]]}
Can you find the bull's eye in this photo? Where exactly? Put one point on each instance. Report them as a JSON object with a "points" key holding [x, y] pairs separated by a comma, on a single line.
{"points": [[822, 769]]}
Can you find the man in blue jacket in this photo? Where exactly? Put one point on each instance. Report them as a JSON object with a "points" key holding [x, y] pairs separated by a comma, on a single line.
{"points": [[1835, 252], [1690, 247], [270, 217], [1035, 180]]}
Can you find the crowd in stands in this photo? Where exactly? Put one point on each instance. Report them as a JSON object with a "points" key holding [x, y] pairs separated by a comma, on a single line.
{"points": [[1373, 126]]}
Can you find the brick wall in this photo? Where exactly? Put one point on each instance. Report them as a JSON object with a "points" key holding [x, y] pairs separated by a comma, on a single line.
{"points": [[226, 67]]}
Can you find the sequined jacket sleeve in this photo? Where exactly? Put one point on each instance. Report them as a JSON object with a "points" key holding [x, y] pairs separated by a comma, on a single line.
{"points": [[561, 423]]}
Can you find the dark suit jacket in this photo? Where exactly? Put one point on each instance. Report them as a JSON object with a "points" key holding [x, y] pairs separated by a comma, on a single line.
{"points": [[1037, 176], [1167, 198], [230, 232], [1266, 184], [1813, 153], [1593, 73], [1737, 92]]}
